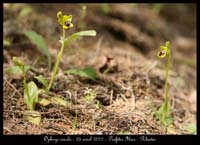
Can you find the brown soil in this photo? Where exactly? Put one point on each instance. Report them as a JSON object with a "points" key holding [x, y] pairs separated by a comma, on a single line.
{"points": [[131, 88]]}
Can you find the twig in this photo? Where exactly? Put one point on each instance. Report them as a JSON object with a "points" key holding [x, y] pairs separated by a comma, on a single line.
{"points": [[13, 88], [111, 96], [8, 130]]}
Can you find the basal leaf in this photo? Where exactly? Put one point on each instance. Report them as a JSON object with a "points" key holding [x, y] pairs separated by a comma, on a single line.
{"points": [[38, 40], [16, 70], [32, 98], [59, 101], [42, 80], [191, 127], [33, 117], [86, 72], [164, 113], [43, 101]]}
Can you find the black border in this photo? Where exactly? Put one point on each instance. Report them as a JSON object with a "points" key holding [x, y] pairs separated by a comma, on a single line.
{"points": [[116, 139], [99, 1], [40, 139]]}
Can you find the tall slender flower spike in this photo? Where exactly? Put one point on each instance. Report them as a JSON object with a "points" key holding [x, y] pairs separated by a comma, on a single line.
{"points": [[163, 114], [66, 22]]}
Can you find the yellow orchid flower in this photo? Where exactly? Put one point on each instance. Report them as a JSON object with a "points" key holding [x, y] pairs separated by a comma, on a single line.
{"points": [[162, 53], [164, 50], [65, 20]]}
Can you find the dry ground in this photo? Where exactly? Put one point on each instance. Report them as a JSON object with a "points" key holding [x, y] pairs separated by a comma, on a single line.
{"points": [[128, 38]]}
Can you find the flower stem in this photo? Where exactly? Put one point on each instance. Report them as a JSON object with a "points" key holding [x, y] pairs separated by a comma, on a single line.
{"points": [[166, 78], [26, 86], [166, 102], [57, 61], [24, 81]]}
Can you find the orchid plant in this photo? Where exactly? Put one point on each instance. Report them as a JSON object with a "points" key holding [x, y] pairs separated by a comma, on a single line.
{"points": [[163, 114], [66, 22]]}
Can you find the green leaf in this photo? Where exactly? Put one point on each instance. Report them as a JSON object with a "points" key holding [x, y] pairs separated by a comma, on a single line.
{"points": [[40, 43], [42, 80], [179, 82], [157, 7], [86, 72], [16, 70], [90, 95], [24, 12], [79, 34], [59, 101], [171, 129], [43, 102], [7, 42], [124, 133], [99, 104], [106, 8], [33, 117], [32, 97], [163, 114], [86, 33], [191, 127]]}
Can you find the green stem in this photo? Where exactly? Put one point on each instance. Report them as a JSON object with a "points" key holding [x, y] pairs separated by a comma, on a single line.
{"points": [[166, 79], [24, 81], [25, 84], [57, 61], [63, 35], [165, 107]]}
